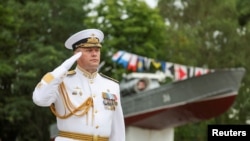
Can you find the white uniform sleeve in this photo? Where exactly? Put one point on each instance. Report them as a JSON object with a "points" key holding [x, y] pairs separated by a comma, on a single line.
{"points": [[45, 91]]}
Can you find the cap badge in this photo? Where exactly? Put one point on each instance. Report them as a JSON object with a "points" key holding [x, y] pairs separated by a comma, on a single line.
{"points": [[92, 39]]}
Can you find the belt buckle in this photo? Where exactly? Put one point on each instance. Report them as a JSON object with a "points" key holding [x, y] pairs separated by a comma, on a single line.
{"points": [[95, 138]]}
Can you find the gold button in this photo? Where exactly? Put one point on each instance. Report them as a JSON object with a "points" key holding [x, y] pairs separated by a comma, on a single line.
{"points": [[91, 81], [97, 127]]}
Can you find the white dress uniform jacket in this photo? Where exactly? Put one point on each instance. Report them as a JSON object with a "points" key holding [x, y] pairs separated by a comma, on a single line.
{"points": [[84, 103]]}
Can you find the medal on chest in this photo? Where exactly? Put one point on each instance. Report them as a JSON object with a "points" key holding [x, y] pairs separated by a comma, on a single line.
{"points": [[109, 100]]}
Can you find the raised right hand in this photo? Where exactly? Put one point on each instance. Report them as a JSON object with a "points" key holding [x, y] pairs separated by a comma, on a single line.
{"points": [[66, 65]]}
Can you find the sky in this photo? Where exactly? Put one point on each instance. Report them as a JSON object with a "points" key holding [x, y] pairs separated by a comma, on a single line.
{"points": [[151, 3]]}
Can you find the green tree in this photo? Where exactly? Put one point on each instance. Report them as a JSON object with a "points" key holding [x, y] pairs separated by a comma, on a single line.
{"points": [[209, 34], [32, 44], [127, 28], [32, 37]]}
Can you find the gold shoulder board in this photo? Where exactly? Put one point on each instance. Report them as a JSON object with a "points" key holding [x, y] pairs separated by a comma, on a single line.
{"points": [[71, 72], [105, 76]]}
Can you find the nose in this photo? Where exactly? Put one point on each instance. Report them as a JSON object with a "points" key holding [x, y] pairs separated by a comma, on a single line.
{"points": [[94, 53]]}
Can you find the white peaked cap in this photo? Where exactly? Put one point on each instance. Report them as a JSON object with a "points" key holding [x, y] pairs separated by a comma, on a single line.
{"points": [[85, 38]]}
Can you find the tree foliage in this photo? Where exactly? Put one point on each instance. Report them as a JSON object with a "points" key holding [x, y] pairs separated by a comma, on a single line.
{"points": [[210, 34], [206, 33], [31, 45], [127, 28]]}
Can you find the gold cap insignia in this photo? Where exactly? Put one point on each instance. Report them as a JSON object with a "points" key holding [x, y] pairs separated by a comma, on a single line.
{"points": [[92, 39]]}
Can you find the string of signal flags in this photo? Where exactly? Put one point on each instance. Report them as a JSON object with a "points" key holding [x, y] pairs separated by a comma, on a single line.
{"points": [[175, 71]]}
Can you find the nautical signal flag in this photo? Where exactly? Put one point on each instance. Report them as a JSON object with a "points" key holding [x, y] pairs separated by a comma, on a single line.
{"points": [[140, 64], [117, 55], [132, 64], [137, 63]]}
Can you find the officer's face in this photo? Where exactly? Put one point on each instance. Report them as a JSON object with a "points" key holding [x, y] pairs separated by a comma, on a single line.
{"points": [[90, 58]]}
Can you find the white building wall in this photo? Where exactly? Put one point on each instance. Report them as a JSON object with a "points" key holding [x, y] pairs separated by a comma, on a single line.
{"points": [[140, 134]]}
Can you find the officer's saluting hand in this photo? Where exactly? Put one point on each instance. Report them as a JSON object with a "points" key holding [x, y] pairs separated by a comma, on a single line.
{"points": [[66, 65]]}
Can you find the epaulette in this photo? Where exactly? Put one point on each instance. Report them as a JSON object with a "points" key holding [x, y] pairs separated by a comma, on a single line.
{"points": [[105, 76], [71, 72]]}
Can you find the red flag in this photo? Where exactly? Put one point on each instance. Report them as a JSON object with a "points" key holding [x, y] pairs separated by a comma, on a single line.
{"points": [[132, 65], [180, 72]]}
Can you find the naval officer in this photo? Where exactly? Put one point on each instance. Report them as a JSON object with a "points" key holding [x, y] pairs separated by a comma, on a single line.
{"points": [[86, 103]]}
